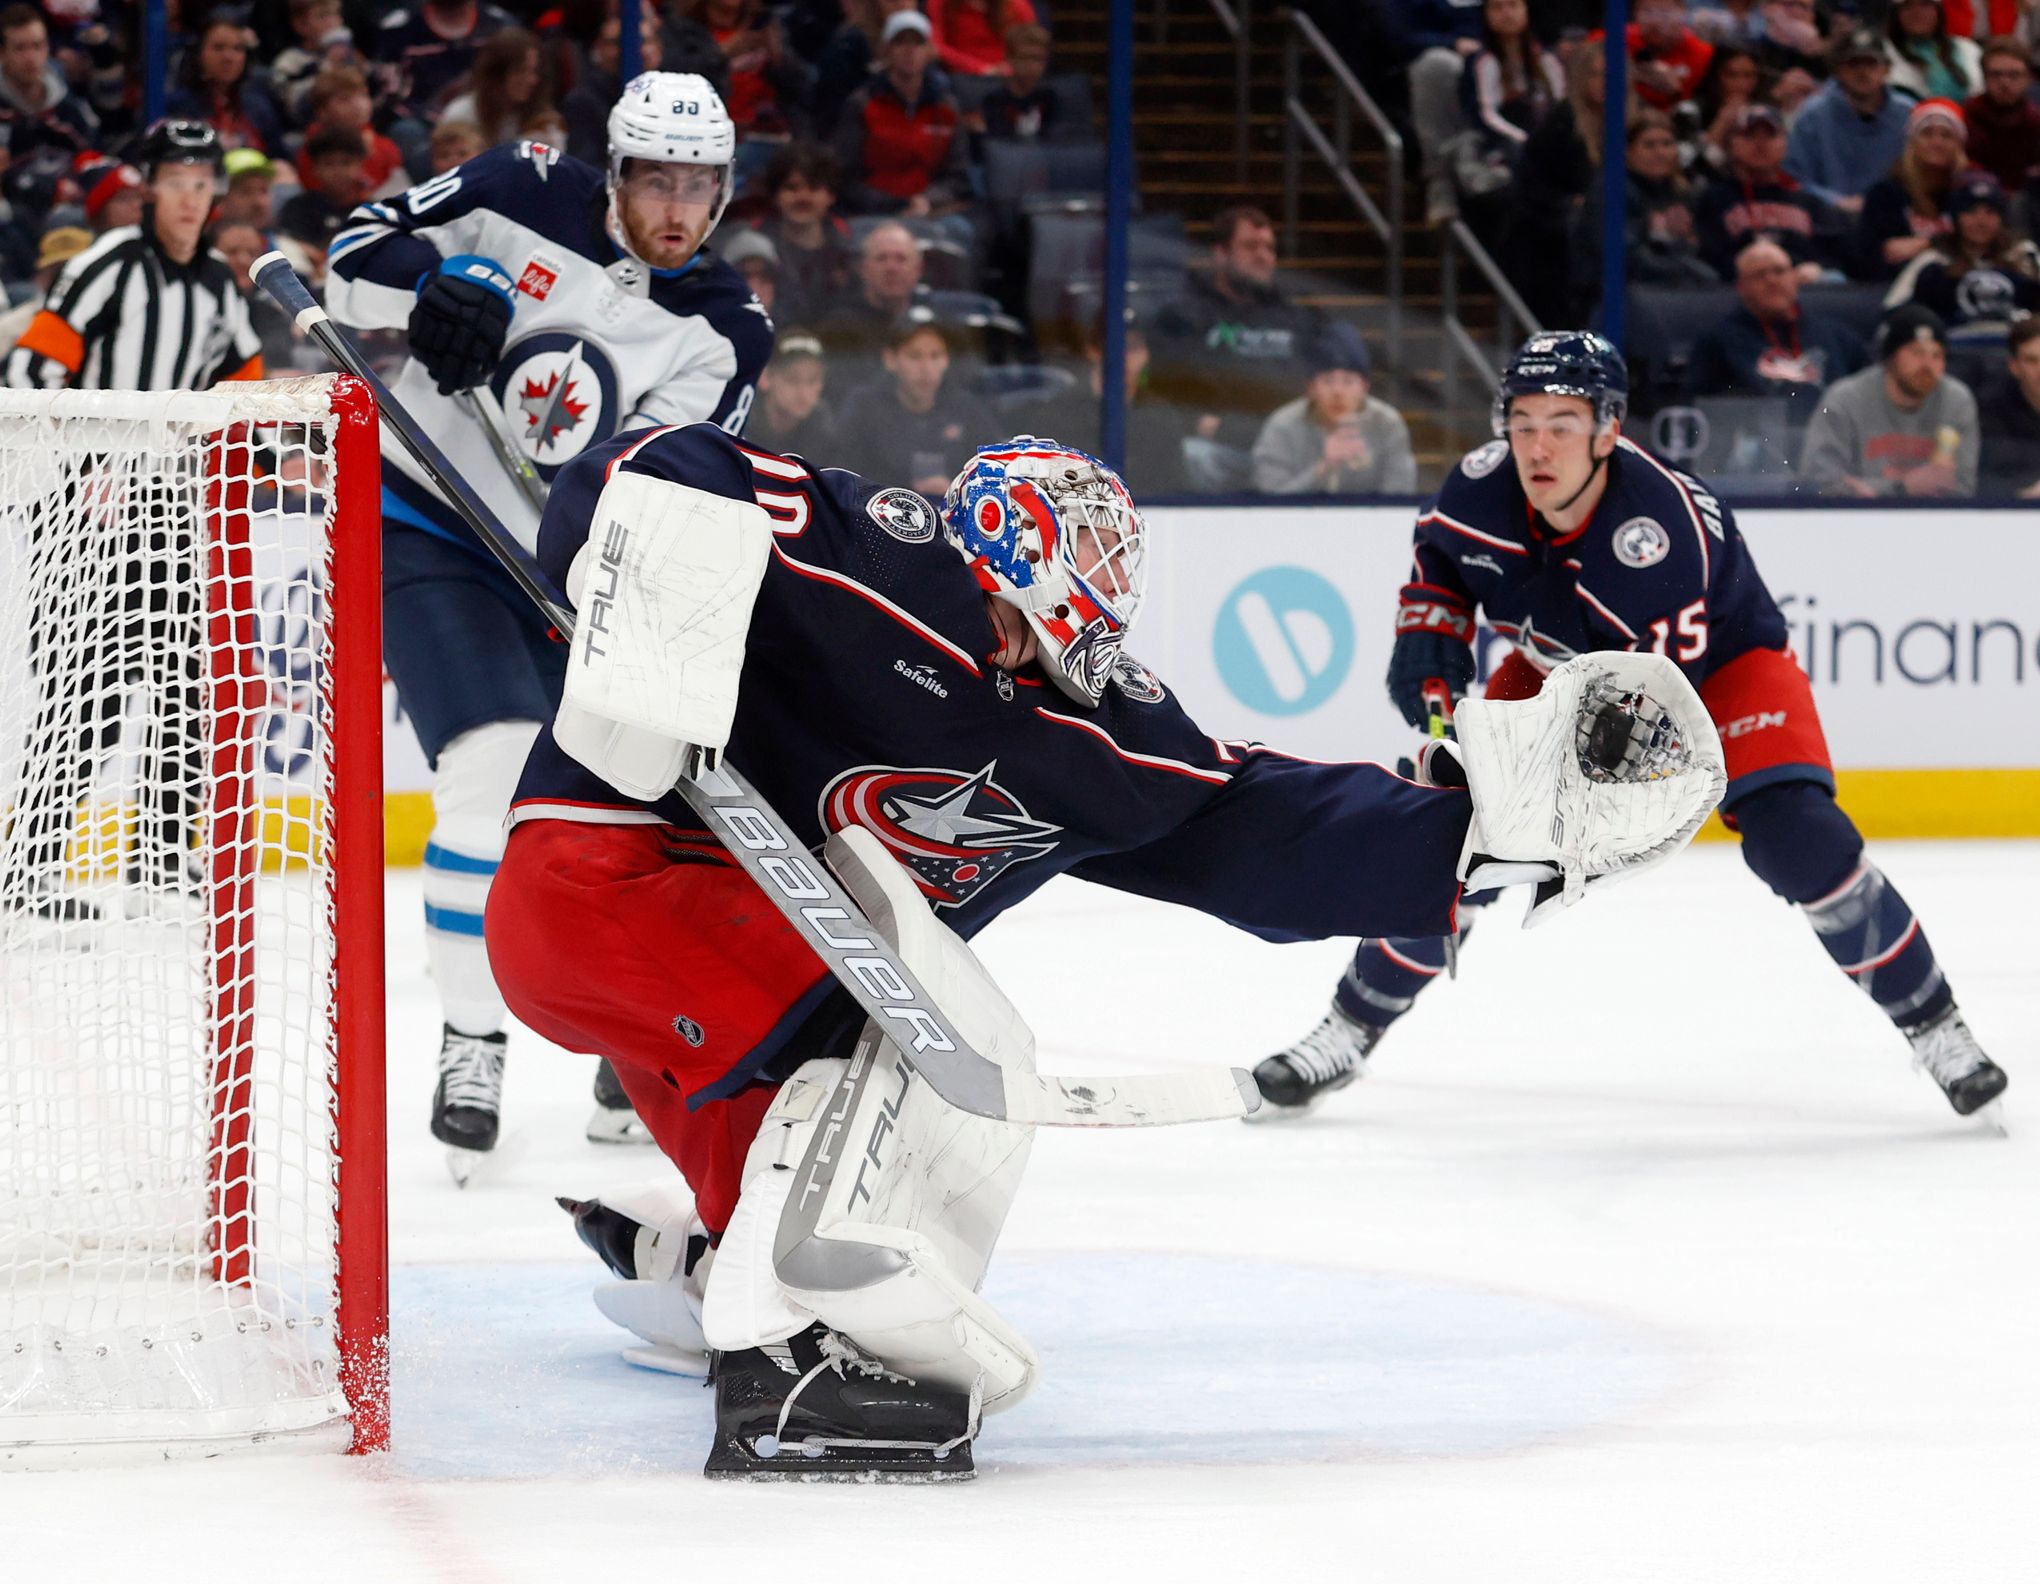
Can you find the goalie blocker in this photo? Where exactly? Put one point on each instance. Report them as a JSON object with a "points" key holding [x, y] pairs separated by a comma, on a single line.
{"points": [[853, 1210]]}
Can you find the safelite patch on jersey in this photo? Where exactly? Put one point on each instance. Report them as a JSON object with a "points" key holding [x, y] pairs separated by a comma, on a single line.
{"points": [[538, 280], [1641, 542], [903, 513], [1136, 681]]}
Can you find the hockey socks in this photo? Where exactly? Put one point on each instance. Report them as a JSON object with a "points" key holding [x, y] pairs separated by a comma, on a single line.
{"points": [[1870, 931]]}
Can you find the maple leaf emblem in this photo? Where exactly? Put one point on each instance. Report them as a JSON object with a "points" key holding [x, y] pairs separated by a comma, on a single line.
{"points": [[550, 410]]}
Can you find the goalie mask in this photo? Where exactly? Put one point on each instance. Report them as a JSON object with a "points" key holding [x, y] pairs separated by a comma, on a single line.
{"points": [[674, 119], [1054, 533]]}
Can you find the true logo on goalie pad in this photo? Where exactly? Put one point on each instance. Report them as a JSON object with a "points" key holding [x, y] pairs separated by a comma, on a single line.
{"points": [[954, 833], [904, 514]]}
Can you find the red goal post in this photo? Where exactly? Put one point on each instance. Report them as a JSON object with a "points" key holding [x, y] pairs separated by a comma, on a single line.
{"points": [[193, 1230]]}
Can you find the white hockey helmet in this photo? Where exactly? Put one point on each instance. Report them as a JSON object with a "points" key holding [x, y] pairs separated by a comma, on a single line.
{"points": [[672, 118], [1054, 533]]}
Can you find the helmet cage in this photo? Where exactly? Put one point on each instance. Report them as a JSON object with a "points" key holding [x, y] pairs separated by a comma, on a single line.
{"points": [[1053, 532]]}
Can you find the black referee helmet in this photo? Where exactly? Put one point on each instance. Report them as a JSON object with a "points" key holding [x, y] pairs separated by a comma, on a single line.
{"points": [[179, 143]]}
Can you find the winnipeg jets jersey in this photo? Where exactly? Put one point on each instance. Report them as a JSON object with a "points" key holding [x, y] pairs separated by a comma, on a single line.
{"points": [[598, 343], [1660, 566], [867, 698]]}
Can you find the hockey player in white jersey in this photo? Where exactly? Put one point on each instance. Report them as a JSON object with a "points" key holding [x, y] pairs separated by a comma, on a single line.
{"points": [[584, 303]]}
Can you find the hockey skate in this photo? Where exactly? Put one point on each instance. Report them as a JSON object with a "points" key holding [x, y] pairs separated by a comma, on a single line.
{"points": [[816, 1407], [614, 1121], [1947, 1050], [661, 1273], [1329, 1057], [467, 1106]]}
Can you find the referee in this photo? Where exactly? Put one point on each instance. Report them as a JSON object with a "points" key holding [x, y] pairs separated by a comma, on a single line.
{"points": [[147, 307]]}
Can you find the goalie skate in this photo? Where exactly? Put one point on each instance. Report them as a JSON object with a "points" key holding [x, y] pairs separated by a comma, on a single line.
{"points": [[1949, 1054], [815, 1407], [1328, 1058]]}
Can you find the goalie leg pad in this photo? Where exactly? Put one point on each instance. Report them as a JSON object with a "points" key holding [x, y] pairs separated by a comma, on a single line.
{"points": [[884, 1202], [664, 589], [1611, 768]]}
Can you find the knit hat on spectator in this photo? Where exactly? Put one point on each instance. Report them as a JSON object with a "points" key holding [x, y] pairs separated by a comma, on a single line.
{"points": [[311, 223], [905, 22], [1857, 44], [102, 183], [1928, 111], [1976, 189], [61, 244], [746, 245], [1905, 324], [1339, 346]]}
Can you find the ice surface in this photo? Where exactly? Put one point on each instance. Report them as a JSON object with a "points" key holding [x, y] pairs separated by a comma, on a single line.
{"points": [[1641, 1255]]}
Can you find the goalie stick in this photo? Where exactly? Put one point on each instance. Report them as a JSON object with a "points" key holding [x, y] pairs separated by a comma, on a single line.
{"points": [[801, 886]]}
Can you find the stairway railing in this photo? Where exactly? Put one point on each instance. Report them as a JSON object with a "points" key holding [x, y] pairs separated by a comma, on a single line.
{"points": [[1510, 310], [1299, 126], [1237, 19]]}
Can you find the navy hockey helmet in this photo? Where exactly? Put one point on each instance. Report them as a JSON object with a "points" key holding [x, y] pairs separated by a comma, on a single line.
{"points": [[1566, 363], [179, 143]]}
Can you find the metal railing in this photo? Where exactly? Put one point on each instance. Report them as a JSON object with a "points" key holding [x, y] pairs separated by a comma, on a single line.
{"points": [[1510, 309], [1300, 126], [1236, 16]]}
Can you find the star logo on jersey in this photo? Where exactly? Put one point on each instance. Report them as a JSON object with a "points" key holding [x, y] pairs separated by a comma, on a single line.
{"points": [[550, 410], [955, 833]]}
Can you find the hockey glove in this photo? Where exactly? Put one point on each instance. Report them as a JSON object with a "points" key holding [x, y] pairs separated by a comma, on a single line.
{"points": [[1431, 641], [458, 326]]}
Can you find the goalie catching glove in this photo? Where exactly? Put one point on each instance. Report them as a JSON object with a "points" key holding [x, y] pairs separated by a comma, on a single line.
{"points": [[1612, 767]]}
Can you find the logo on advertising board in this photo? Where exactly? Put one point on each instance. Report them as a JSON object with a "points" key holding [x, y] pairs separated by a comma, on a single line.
{"points": [[1283, 641]]}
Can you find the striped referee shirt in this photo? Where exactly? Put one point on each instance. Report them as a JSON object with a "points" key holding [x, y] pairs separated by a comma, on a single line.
{"points": [[124, 315]]}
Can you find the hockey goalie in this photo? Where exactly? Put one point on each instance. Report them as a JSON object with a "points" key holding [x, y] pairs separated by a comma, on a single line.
{"points": [[936, 697]]}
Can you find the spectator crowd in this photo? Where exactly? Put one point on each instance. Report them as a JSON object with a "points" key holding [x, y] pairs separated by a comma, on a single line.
{"points": [[1828, 206], [893, 161]]}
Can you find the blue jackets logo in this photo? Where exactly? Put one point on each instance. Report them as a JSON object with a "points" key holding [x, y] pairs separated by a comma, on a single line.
{"points": [[1283, 641], [955, 833]]}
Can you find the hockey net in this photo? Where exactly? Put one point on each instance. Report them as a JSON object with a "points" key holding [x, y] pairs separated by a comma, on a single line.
{"points": [[192, 1245]]}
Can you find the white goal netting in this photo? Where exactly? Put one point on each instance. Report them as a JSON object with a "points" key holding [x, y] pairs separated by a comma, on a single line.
{"points": [[170, 1091]]}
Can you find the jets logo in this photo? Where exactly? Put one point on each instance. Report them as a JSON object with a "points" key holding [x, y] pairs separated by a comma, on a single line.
{"points": [[904, 514], [558, 392], [955, 833]]}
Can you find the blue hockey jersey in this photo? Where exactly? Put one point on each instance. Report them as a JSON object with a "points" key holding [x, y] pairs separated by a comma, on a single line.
{"points": [[866, 698], [598, 343], [1660, 566]]}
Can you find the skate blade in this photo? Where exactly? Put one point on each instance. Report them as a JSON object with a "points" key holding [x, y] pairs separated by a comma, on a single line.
{"points": [[479, 1168], [616, 1127], [732, 1459], [1990, 1118], [669, 1361], [1267, 1111]]}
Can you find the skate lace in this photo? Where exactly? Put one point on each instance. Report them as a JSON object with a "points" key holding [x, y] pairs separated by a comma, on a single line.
{"points": [[1332, 1048], [473, 1070], [1947, 1050], [839, 1354]]}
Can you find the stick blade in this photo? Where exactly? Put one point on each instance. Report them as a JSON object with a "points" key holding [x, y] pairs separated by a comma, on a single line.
{"points": [[1205, 1094]]}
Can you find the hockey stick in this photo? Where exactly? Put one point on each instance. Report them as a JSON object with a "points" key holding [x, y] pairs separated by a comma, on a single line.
{"points": [[804, 890], [482, 406]]}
